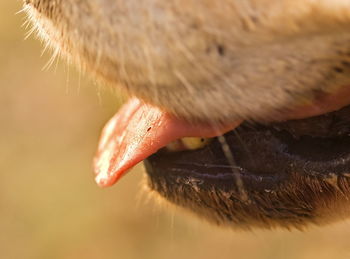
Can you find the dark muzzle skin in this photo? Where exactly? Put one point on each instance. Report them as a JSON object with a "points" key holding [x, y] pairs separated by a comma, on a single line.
{"points": [[223, 61], [287, 175]]}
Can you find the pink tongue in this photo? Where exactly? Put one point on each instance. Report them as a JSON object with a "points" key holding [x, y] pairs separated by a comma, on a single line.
{"points": [[137, 131]]}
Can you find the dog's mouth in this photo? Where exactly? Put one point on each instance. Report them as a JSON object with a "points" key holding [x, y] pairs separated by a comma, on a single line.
{"points": [[264, 155], [139, 130], [286, 173]]}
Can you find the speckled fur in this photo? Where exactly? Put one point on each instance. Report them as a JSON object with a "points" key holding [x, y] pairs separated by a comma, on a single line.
{"points": [[219, 61], [192, 57]]}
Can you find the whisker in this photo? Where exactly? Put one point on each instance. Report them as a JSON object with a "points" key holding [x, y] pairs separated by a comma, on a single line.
{"points": [[231, 160], [244, 145], [29, 32], [54, 55]]}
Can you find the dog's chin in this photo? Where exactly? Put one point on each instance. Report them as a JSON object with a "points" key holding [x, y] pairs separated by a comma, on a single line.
{"points": [[289, 174]]}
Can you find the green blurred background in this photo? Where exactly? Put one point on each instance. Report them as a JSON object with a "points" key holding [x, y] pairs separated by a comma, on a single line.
{"points": [[50, 206]]}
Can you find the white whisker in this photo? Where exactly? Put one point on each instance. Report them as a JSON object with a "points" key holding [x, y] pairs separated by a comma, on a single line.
{"points": [[231, 160]]}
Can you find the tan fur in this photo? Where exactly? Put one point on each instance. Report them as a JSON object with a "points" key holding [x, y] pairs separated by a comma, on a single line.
{"points": [[217, 60], [192, 57]]}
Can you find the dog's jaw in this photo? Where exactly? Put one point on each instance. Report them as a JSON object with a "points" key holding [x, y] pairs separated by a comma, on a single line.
{"points": [[189, 57]]}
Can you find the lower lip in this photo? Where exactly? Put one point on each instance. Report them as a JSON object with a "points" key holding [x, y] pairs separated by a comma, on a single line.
{"points": [[323, 103]]}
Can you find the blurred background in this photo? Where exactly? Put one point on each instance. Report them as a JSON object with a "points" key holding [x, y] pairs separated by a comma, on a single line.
{"points": [[50, 207]]}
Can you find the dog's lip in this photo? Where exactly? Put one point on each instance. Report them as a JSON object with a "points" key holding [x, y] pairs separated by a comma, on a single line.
{"points": [[255, 148], [263, 158], [139, 130], [300, 179], [323, 102]]}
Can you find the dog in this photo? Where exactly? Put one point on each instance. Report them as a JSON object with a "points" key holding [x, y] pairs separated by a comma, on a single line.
{"points": [[237, 108]]}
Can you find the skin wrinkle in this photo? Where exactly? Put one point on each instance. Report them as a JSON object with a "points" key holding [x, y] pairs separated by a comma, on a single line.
{"points": [[211, 61]]}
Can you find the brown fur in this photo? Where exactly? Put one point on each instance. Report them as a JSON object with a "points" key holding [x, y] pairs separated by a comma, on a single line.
{"points": [[218, 61], [190, 56], [286, 182], [282, 207]]}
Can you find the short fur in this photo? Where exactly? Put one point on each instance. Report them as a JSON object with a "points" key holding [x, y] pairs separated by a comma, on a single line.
{"points": [[266, 209], [214, 61], [191, 57]]}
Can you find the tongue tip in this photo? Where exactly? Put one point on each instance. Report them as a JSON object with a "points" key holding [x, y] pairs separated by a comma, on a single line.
{"points": [[102, 181], [137, 131], [105, 179], [108, 171]]}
